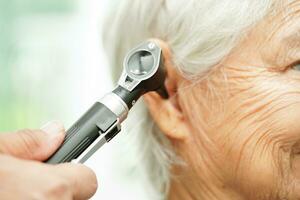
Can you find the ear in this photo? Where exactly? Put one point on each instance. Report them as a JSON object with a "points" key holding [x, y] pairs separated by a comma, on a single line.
{"points": [[167, 113]]}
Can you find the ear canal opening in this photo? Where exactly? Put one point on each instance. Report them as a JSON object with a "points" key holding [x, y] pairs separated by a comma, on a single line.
{"points": [[162, 91]]}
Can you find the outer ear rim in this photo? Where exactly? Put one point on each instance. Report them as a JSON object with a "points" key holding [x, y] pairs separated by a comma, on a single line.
{"points": [[171, 121]]}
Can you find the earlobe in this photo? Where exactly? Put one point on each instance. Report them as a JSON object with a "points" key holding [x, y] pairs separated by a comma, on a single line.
{"points": [[167, 113]]}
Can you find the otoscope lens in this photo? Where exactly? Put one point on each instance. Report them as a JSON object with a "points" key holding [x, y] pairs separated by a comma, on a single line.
{"points": [[141, 63]]}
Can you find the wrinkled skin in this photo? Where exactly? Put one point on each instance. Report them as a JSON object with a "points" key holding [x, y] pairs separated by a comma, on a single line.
{"points": [[244, 118], [248, 113]]}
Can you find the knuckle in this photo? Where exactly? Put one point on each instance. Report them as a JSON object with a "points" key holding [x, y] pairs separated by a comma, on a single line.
{"points": [[92, 179], [94, 186], [58, 188], [30, 140]]}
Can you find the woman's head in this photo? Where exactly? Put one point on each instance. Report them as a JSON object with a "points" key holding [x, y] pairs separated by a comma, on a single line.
{"points": [[235, 94]]}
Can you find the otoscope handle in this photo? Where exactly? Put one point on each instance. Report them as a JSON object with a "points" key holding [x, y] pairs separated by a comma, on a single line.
{"points": [[96, 121], [143, 72]]}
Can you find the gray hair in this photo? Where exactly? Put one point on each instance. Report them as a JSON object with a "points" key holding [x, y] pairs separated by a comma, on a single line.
{"points": [[200, 33]]}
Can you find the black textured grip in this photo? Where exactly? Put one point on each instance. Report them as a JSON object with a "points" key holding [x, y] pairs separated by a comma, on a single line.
{"points": [[98, 119]]}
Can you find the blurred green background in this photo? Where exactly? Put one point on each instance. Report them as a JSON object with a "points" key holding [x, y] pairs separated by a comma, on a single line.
{"points": [[25, 49], [45, 47], [53, 67]]}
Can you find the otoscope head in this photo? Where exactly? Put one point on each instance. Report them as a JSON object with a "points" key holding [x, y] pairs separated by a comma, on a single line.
{"points": [[143, 71]]}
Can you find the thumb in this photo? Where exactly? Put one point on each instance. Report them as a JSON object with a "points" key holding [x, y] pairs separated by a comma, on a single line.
{"points": [[82, 180], [33, 144]]}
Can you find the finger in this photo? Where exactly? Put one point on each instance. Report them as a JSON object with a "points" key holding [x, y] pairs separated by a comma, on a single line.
{"points": [[82, 179], [33, 144]]}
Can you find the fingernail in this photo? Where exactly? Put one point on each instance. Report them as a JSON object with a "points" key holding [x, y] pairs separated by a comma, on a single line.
{"points": [[53, 128]]}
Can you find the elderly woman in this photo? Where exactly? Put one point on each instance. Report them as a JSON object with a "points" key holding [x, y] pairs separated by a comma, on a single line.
{"points": [[230, 129]]}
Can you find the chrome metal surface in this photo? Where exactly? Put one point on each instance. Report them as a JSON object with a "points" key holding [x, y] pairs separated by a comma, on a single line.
{"points": [[116, 105]]}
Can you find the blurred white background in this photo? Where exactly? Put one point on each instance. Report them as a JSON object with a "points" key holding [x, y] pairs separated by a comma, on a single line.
{"points": [[53, 66]]}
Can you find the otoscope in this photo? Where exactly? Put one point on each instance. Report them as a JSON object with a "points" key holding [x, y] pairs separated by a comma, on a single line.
{"points": [[143, 72]]}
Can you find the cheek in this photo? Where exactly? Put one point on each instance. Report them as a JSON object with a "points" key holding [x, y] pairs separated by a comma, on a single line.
{"points": [[250, 121], [260, 130]]}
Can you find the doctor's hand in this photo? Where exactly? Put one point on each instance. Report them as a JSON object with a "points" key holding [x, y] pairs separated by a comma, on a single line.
{"points": [[24, 176]]}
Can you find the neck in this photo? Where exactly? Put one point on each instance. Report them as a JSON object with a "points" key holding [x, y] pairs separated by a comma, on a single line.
{"points": [[200, 178], [188, 186]]}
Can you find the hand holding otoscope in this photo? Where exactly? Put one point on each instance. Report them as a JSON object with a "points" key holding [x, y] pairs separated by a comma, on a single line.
{"points": [[22, 174], [143, 72]]}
